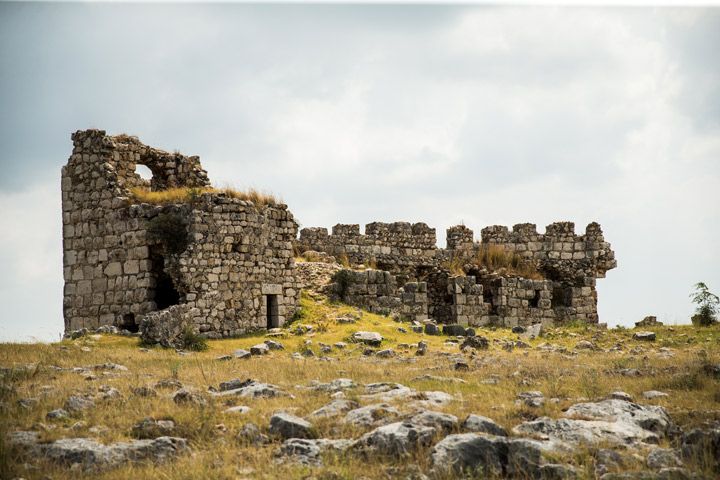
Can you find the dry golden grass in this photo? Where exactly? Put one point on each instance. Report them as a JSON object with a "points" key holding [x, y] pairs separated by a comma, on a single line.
{"points": [[188, 195], [495, 259], [693, 396]]}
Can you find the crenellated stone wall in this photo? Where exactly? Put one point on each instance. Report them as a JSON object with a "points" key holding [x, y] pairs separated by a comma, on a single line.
{"points": [[568, 263], [225, 264], [395, 247]]}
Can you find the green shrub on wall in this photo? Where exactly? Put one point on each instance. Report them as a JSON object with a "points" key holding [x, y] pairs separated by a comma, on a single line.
{"points": [[170, 229]]}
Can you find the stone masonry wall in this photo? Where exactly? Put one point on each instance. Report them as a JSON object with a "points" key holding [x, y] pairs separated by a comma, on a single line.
{"points": [[394, 247], [377, 291], [219, 258]]}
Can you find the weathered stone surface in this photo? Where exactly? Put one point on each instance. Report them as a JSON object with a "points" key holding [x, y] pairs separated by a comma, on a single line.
{"points": [[373, 339], [431, 329], [663, 458], [396, 439], [237, 410], [587, 432], [649, 321], [648, 417], [240, 353], [286, 426], [469, 452], [532, 399], [151, 428], [644, 336], [91, 455], [480, 424], [334, 385], [273, 345], [335, 408], [76, 404], [453, 330], [250, 433], [372, 415], [259, 349], [309, 451], [253, 389], [621, 396], [441, 422], [476, 342], [57, 414]]}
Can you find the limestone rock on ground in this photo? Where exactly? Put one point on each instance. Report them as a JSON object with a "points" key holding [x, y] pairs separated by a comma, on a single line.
{"points": [[654, 394], [151, 428], [335, 408], [334, 385], [644, 336], [253, 389], [259, 349], [241, 353], [92, 455], [309, 451], [251, 434], [76, 404], [396, 439], [237, 410], [702, 447], [372, 415], [285, 425], [476, 342], [480, 424], [373, 339], [441, 422], [663, 458], [607, 422]]}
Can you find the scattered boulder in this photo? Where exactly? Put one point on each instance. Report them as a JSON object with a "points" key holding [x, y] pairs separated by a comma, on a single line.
{"points": [[396, 439], [372, 415], [644, 336], [251, 434], [185, 396], [373, 339], [463, 453], [76, 404], [453, 330], [253, 389], [533, 331], [476, 342], [151, 428], [144, 391], [273, 345], [234, 384], [441, 422], [335, 408], [421, 348], [57, 414], [532, 399], [431, 329], [286, 426], [585, 345], [91, 455], [334, 385], [309, 451], [387, 353], [259, 349], [480, 424], [241, 353]]}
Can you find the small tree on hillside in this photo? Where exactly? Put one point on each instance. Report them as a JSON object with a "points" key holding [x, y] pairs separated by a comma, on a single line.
{"points": [[707, 305]]}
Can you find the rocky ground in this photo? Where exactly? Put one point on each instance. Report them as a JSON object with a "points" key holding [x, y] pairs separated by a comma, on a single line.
{"points": [[344, 394]]}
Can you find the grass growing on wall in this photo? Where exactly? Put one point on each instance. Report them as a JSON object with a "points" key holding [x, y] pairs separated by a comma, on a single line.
{"points": [[190, 194], [495, 258]]}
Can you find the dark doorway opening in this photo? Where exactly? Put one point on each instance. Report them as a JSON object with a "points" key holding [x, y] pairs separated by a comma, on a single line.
{"points": [[535, 301], [273, 320], [128, 323], [561, 296], [165, 294]]}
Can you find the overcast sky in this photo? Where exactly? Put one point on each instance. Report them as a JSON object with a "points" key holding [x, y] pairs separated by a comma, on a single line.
{"points": [[351, 114]]}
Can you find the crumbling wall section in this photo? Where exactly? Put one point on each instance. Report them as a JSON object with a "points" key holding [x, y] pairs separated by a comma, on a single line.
{"points": [[377, 291], [516, 301], [395, 247]]}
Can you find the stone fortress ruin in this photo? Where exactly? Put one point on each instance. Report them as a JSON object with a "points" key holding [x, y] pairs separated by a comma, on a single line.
{"points": [[218, 264], [223, 266]]}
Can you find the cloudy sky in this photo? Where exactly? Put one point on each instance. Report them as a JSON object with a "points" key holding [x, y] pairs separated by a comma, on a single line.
{"points": [[480, 115]]}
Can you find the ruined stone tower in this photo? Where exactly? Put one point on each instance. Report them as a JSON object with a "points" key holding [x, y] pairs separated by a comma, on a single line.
{"points": [[217, 264]]}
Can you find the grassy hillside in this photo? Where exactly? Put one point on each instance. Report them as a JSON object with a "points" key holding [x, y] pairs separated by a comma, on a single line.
{"points": [[673, 364]]}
